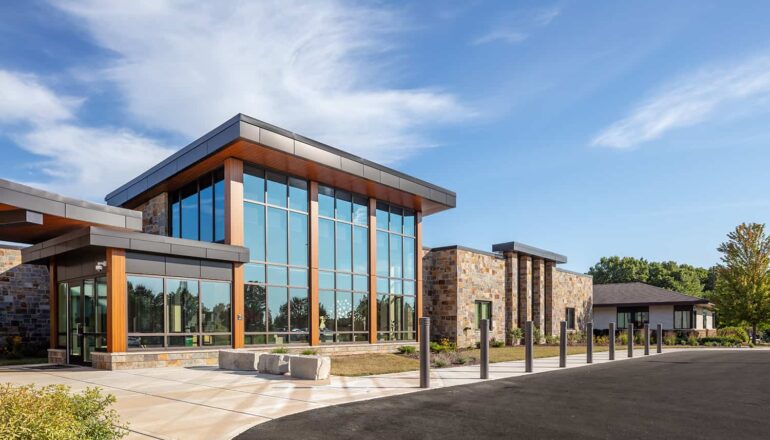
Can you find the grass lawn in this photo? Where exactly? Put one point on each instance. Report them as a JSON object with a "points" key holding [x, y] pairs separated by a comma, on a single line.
{"points": [[383, 363], [23, 361]]}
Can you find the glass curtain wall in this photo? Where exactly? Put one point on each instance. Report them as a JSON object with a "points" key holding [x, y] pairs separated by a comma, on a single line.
{"points": [[343, 262], [177, 312], [396, 273], [197, 211], [276, 280]]}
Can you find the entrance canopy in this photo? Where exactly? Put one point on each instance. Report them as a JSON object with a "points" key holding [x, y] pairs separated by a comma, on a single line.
{"points": [[29, 215]]}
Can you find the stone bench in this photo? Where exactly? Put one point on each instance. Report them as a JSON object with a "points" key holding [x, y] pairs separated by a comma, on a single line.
{"points": [[310, 367], [238, 360], [274, 363]]}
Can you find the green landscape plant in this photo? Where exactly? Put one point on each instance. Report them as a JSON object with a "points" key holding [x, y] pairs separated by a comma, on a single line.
{"points": [[516, 335], [693, 341], [537, 335], [309, 352], [52, 412], [724, 341], [622, 338], [551, 339], [684, 278], [743, 277], [496, 344], [739, 333], [669, 340], [279, 350], [576, 338], [407, 349], [602, 340]]}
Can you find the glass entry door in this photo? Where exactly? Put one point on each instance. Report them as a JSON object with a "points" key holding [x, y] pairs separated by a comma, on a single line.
{"points": [[87, 318]]}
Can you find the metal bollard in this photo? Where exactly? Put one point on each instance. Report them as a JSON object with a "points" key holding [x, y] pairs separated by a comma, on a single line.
{"points": [[612, 341], [646, 339], [590, 343], [630, 340], [659, 337], [484, 346], [424, 352], [562, 344], [528, 348]]}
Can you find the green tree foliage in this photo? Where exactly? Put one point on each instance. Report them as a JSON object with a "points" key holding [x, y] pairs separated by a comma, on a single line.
{"points": [[742, 292], [670, 275]]}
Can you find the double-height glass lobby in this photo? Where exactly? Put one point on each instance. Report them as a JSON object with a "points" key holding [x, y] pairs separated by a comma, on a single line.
{"points": [[251, 236]]}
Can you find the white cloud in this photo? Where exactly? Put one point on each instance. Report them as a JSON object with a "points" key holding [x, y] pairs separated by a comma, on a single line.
{"points": [[308, 67], [546, 16], [76, 160], [691, 100], [508, 36], [23, 98], [517, 27]]}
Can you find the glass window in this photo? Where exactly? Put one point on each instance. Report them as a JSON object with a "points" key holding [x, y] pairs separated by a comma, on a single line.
{"points": [[570, 318], [298, 239], [344, 281], [298, 277], [383, 267], [145, 304], [215, 307], [360, 210], [344, 206], [254, 184], [344, 247], [278, 309], [299, 310], [409, 222], [255, 303], [344, 311], [297, 194], [327, 325], [396, 263], [325, 244], [360, 312], [206, 197], [396, 221], [190, 212], [325, 280], [325, 201], [410, 315], [277, 227], [254, 273], [382, 216], [219, 206], [254, 228], [409, 260], [360, 250], [682, 317], [483, 311], [276, 189], [182, 305], [176, 217], [277, 275]]}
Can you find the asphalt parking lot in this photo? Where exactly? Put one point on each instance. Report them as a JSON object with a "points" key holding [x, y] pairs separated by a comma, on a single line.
{"points": [[698, 394]]}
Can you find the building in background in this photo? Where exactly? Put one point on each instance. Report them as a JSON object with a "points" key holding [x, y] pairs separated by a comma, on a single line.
{"points": [[512, 284], [640, 304]]}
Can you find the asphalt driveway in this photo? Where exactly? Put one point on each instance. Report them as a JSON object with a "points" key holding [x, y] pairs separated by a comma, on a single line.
{"points": [[699, 394]]}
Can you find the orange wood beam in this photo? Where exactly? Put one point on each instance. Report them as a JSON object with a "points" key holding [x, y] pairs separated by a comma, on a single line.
{"points": [[234, 234], [372, 271], [117, 307], [418, 251], [315, 331], [53, 301]]}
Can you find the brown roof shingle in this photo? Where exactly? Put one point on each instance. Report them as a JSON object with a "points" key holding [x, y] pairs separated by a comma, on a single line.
{"points": [[630, 294]]}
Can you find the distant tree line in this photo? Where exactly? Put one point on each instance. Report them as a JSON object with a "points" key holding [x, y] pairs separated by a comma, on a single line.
{"points": [[671, 275]]}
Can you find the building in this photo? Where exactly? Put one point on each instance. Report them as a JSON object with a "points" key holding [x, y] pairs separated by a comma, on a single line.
{"points": [[512, 284], [640, 304], [251, 237]]}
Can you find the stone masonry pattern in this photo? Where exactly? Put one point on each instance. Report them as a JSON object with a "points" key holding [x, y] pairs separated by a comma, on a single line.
{"points": [[155, 215], [480, 277], [24, 303], [440, 292], [571, 290]]}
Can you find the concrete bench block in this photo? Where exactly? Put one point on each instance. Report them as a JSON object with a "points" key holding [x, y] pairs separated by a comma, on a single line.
{"points": [[238, 360], [273, 363], [310, 367]]}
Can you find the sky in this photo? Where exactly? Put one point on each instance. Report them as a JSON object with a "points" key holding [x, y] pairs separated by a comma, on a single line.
{"points": [[585, 128]]}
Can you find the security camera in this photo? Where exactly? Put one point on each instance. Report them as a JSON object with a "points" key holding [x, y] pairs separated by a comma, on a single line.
{"points": [[100, 266]]}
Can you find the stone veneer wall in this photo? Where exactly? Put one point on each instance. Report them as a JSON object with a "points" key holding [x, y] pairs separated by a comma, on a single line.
{"points": [[439, 281], [480, 277], [155, 215], [571, 289], [24, 301]]}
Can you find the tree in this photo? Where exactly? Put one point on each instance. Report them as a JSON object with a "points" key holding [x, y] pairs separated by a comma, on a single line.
{"points": [[667, 274], [743, 278]]}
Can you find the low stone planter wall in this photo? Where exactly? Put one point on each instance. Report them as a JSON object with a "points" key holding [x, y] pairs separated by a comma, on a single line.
{"points": [[57, 356], [133, 360]]}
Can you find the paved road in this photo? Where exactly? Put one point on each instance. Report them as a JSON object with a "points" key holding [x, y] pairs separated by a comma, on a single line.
{"points": [[688, 395]]}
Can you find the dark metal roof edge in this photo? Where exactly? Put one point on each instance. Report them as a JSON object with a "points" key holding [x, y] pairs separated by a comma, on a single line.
{"points": [[448, 198], [464, 248], [58, 198], [574, 272], [514, 246], [696, 301], [124, 239]]}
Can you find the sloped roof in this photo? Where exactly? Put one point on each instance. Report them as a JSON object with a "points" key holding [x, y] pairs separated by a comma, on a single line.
{"points": [[640, 294]]}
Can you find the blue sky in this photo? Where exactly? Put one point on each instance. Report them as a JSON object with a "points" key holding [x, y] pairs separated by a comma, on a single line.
{"points": [[586, 128]]}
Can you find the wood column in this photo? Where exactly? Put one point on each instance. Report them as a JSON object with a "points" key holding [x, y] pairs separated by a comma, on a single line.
{"points": [[53, 301], [117, 301], [372, 271], [234, 235], [418, 257], [315, 331]]}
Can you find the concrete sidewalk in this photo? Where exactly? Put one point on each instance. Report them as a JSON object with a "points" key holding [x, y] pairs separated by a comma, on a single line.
{"points": [[207, 403]]}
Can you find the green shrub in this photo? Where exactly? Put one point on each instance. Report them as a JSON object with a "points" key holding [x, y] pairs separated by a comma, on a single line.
{"points": [[622, 338], [724, 341], [516, 335], [443, 346], [52, 412], [279, 350], [602, 340], [639, 338], [739, 333], [693, 341], [440, 363], [537, 335], [496, 344], [669, 340], [551, 339], [461, 360], [407, 349], [576, 338], [309, 352]]}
